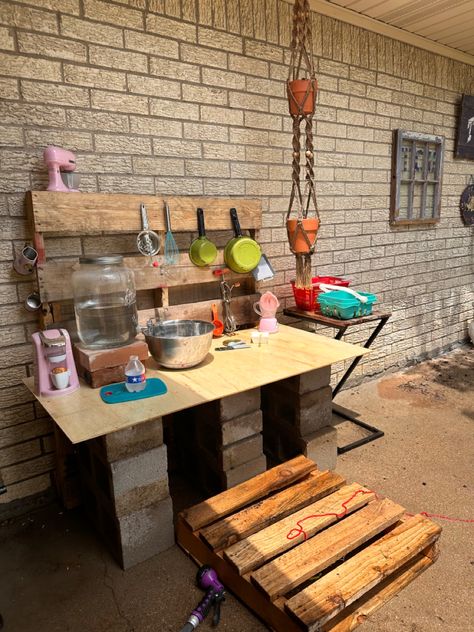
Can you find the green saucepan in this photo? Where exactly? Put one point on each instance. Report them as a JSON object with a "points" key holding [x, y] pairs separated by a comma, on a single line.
{"points": [[202, 251], [241, 254]]}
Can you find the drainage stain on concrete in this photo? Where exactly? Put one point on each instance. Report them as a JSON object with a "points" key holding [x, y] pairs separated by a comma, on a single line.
{"points": [[434, 383]]}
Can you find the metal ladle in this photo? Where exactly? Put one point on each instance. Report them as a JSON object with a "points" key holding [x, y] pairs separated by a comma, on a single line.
{"points": [[148, 242]]}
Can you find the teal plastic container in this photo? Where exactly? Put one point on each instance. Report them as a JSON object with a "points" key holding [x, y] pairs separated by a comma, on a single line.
{"points": [[345, 306]]}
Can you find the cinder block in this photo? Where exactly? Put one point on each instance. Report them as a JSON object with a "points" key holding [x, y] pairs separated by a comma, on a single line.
{"points": [[244, 472], [241, 427], [240, 404], [137, 471], [214, 436], [141, 497], [133, 440], [242, 452], [310, 381], [304, 383], [321, 447], [146, 533], [280, 441], [308, 412]]}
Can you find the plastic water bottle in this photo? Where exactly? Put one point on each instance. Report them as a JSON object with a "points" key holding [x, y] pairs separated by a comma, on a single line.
{"points": [[135, 378]]}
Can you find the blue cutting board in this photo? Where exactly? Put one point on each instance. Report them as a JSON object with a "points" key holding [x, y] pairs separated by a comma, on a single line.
{"points": [[117, 393]]}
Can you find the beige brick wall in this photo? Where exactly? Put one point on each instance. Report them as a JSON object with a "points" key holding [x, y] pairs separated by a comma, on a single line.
{"points": [[188, 97]]}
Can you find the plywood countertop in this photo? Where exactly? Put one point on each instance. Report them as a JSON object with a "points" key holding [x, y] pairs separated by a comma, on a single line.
{"points": [[83, 415]]}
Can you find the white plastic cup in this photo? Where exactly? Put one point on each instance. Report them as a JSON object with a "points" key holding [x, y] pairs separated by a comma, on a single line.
{"points": [[60, 380]]}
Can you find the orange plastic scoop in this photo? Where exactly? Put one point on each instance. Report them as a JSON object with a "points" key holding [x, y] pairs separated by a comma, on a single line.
{"points": [[218, 324]]}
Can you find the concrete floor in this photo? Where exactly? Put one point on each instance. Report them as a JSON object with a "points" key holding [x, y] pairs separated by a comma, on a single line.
{"points": [[56, 576]]}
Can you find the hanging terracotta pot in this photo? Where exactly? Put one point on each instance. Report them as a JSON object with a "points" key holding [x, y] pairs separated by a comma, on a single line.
{"points": [[302, 95], [302, 234]]}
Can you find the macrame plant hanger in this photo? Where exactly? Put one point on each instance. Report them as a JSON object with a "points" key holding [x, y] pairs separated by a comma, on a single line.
{"points": [[302, 218]]}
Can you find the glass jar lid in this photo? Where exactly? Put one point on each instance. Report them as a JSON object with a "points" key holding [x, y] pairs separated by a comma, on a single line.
{"points": [[101, 260]]}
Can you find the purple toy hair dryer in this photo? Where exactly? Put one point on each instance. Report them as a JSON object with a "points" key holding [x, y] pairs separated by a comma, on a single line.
{"points": [[208, 580]]}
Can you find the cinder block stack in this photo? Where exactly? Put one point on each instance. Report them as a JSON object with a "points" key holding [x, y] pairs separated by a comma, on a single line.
{"points": [[99, 367], [124, 477], [297, 416], [228, 434]]}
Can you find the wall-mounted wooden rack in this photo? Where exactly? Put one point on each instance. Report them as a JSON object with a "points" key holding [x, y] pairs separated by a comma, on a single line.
{"points": [[178, 294]]}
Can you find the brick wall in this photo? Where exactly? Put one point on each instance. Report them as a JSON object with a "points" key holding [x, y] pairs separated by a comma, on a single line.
{"points": [[188, 97]]}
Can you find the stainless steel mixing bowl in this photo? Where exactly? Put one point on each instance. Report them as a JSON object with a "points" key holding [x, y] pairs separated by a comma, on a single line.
{"points": [[179, 344]]}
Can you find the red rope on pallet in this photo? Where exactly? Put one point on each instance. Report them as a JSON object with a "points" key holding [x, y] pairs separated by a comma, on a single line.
{"points": [[299, 530]]}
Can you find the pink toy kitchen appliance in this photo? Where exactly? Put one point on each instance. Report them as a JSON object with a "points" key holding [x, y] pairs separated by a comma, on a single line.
{"points": [[55, 371], [266, 308], [61, 164]]}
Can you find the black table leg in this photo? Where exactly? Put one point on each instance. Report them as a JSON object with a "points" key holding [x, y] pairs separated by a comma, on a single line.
{"points": [[374, 433], [355, 362]]}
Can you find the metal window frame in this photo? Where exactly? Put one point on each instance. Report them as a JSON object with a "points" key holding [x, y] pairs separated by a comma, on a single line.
{"points": [[400, 136]]}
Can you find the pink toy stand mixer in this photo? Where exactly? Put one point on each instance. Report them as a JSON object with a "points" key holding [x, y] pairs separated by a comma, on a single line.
{"points": [[55, 371], [266, 308], [59, 160]]}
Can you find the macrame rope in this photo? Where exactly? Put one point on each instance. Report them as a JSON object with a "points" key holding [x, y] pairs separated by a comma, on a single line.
{"points": [[305, 203]]}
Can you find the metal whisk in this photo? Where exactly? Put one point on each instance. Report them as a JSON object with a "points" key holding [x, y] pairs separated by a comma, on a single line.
{"points": [[230, 324], [171, 250]]}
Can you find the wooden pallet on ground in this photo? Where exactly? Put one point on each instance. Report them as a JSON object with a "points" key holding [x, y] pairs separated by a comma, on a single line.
{"points": [[305, 550]]}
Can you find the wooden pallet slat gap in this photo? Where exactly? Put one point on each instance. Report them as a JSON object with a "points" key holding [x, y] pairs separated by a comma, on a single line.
{"points": [[259, 487], [358, 612], [328, 596], [298, 565], [230, 530], [252, 552]]}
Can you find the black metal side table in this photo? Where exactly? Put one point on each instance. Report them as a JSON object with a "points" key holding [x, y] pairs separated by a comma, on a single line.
{"points": [[342, 325]]}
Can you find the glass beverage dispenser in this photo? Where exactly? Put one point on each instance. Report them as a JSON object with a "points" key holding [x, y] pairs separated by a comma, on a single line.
{"points": [[105, 302]]}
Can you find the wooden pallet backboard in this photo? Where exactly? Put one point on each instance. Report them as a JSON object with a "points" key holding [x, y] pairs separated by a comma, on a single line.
{"points": [[84, 214]]}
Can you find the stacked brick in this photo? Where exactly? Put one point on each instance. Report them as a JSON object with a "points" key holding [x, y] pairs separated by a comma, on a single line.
{"points": [[297, 417], [106, 366], [229, 440], [124, 479]]}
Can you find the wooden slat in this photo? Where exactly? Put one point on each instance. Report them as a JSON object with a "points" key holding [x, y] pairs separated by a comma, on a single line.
{"points": [[242, 309], [230, 530], [260, 547], [328, 596], [241, 495], [334, 322], [290, 570], [88, 213], [54, 277], [358, 612]]}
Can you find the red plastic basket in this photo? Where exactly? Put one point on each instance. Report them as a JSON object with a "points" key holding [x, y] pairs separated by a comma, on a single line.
{"points": [[305, 298]]}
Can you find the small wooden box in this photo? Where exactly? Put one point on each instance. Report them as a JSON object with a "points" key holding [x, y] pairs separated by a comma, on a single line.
{"points": [[304, 550]]}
